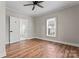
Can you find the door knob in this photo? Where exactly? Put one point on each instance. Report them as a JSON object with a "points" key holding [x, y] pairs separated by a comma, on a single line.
{"points": [[11, 31]]}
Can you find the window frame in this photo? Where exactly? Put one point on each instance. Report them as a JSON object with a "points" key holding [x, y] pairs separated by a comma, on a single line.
{"points": [[51, 19]]}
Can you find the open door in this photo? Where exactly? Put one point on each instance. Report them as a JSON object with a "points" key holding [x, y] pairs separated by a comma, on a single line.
{"points": [[14, 29]]}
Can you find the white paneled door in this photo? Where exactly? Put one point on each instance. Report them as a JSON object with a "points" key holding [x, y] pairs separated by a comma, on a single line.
{"points": [[14, 29]]}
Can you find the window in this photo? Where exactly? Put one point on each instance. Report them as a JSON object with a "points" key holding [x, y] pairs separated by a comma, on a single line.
{"points": [[51, 27]]}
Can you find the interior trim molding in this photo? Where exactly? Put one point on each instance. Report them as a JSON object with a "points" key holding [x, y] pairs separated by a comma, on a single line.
{"points": [[67, 43], [21, 39]]}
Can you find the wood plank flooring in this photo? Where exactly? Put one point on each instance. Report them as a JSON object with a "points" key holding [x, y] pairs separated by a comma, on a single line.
{"points": [[37, 48]]}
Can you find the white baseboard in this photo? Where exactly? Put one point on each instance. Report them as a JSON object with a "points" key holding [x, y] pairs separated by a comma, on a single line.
{"points": [[67, 43], [21, 39]]}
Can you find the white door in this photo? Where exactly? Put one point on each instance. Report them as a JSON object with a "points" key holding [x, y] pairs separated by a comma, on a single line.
{"points": [[14, 29]]}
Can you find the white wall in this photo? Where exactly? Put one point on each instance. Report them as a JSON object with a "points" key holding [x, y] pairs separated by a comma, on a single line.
{"points": [[67, 26], [2, 29], [22, 17]]}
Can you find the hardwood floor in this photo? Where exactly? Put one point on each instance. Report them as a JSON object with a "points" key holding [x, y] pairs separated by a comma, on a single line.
{"points": [[37, 48]]}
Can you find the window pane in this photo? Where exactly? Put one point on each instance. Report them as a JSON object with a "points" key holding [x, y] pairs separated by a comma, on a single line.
{"points": [[51, 27]]}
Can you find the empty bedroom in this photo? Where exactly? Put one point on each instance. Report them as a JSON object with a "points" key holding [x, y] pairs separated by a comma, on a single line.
{"points": [[39, 29]]}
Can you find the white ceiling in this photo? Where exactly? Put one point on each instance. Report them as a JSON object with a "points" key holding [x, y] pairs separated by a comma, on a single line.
{"points": [[48, 6]]}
